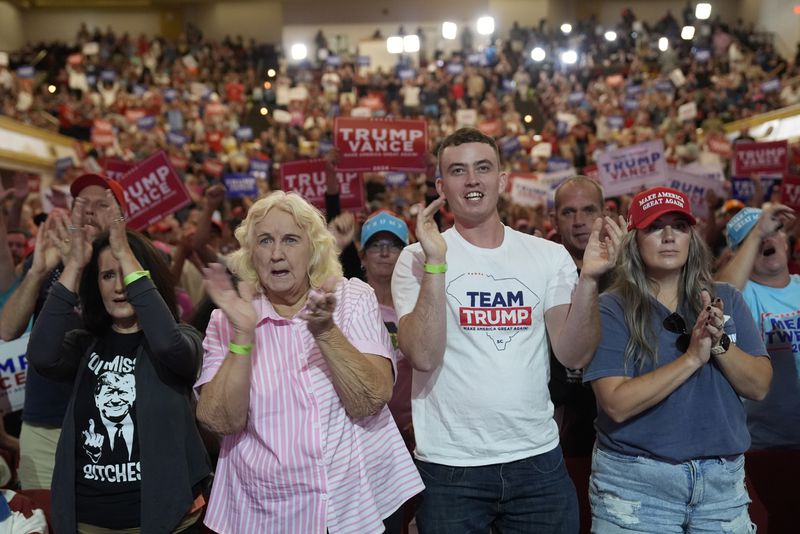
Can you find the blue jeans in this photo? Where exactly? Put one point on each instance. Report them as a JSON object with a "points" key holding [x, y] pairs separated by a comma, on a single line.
{"points": [[635, 494], [530, 495]]}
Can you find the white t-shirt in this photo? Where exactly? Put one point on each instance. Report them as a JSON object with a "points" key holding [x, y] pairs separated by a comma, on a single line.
{"points": [[488, 402]]}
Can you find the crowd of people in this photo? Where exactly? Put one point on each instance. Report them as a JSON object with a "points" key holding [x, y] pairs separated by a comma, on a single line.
{"points": [[305, 357]]}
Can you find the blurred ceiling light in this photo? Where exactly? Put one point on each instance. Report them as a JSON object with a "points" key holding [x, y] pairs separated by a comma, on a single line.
{"points": [[663, 44], [566, 28], [299, 51], [394, 44], [703, 11], [570, 57], [687, 33], [449, 30], [538, 54], [485, 25], [410, 44]]}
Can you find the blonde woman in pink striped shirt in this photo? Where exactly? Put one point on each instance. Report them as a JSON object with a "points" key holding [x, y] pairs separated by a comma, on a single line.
{"points": [[297, 372]]}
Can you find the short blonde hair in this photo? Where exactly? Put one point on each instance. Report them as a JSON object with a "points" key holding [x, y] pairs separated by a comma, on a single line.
{"points": [[324, 256]]}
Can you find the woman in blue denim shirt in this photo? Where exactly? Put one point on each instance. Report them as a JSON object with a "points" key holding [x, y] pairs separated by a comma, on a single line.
{"points": [[677, 353]]}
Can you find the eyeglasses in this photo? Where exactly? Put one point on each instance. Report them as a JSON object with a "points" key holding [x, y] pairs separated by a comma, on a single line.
{"points": [[379, 247], [674, 323]]}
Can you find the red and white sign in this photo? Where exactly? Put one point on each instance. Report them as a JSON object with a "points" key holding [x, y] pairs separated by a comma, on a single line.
{"points": [[153, 190], [381, 144], [103, 133], [133, 115], [214, 167], [590, 171], [720, 146], [790, 192], [491, 127], [309, 179], [215, 108], [760, 158], [373, 101], [116, 168], [179, 162]]}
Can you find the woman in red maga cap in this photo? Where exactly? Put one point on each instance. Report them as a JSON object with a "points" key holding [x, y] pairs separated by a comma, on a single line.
{"points": [[677, 353]]}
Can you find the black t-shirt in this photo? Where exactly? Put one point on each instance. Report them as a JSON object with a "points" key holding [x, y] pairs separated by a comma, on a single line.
{"points": [[108, 470]]}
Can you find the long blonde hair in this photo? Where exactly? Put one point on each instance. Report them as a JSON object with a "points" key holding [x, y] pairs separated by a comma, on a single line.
{"points": [[634, 289], [324, 257]]}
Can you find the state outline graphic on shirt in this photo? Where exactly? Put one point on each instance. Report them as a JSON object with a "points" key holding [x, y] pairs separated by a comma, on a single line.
{"points": [[499, 310]]}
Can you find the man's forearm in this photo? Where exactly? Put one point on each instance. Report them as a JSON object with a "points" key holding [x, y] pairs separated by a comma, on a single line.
{"points": [[422, 334], [738, 270], [576, 351], [18, 310]]}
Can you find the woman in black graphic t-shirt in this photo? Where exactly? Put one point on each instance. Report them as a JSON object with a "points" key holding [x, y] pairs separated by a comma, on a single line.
{"points": [[129, 454]]}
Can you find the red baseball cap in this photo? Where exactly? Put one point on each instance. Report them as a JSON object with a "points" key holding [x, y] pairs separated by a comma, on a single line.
{"points": [[649, 205], [85, 180]]}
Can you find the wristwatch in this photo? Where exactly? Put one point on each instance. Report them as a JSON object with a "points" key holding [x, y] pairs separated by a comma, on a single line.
{"points": [[723, 345]]}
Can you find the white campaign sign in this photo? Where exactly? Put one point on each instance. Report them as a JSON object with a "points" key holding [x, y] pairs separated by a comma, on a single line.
{"points": [[13, 371]]}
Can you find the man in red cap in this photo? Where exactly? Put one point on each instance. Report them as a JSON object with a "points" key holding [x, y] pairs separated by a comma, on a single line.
{"points": [[45, 400]]}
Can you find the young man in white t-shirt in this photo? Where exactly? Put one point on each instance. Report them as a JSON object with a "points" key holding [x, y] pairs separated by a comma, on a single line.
{"points": [[477, 306]]}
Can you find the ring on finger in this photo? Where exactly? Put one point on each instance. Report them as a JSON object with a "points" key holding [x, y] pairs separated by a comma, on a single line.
{"points": [[120, 219], [72, 228]]}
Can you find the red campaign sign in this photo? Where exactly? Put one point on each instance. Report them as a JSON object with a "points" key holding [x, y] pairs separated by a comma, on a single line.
{"points": [[153, 190], [116, 168], [754, 158], [720, 146], [380, 144], [590, 171], [102, 133], [215, 108], [133, 115], [179, 162], [373, 101], [491, 128], [309, 180], [790, 192], [213, 167]]}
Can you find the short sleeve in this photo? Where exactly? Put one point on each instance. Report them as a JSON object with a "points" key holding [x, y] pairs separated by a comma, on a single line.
{"points": [[609, 358], [747, 336], [364, 327], [214, 347], [563, 281], [407, 279]]}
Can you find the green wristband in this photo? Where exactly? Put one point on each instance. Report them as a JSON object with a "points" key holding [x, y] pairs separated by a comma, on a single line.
{"points": [[134, 276], [435, 268], [240, 349]]}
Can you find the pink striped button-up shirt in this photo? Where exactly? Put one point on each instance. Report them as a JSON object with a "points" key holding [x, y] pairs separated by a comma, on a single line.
{"points": [[302, 465]]}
